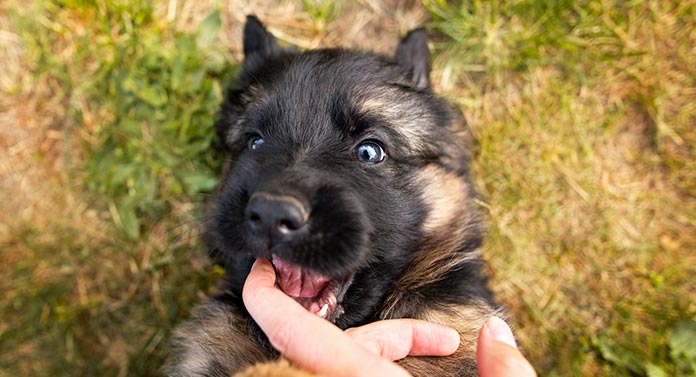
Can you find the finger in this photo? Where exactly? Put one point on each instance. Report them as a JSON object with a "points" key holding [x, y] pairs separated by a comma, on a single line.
{"points": [[310, 342], [397, 338], [272, 309], [497, 354]]}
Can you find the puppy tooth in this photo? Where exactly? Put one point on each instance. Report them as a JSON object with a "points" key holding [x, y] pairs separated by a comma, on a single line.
{"points": [[324, 310]]}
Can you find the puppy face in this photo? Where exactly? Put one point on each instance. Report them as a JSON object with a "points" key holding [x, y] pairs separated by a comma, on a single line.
{"points": [[338, 162]]}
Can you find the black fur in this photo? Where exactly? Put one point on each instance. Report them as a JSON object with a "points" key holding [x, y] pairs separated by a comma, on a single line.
{"points": [[312, 109]]}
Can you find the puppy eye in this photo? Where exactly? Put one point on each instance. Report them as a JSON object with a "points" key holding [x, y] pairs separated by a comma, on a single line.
{"points": [[370, 152], [255, 142]]}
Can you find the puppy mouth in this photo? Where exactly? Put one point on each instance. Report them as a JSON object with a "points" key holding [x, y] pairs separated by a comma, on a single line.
{"points": [[317, 293]]}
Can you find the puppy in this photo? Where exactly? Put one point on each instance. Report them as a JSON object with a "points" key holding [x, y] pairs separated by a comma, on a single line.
{"points": [[344, 174]]}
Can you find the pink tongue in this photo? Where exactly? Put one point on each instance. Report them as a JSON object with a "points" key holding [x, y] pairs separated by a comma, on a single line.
{"points": [[298, 282]]}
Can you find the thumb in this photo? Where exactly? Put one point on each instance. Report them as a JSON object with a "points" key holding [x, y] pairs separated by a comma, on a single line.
{"points": [[497, 354]]}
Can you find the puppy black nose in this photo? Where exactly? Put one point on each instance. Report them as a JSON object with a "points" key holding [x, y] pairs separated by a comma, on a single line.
{"points": [[279, 217]]}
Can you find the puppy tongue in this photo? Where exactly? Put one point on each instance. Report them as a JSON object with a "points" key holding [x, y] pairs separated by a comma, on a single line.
{"points": [[298, 282]]}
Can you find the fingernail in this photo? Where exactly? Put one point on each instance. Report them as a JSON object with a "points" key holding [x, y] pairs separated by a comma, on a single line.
{"points": [[263, 263], [453, 339], [500, 331], [263, 266]]}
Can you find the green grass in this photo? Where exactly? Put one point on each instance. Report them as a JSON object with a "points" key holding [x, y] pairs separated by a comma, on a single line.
{"points": [[583, 112], [155, 91]]}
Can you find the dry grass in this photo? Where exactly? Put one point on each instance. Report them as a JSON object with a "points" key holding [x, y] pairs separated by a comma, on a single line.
{"points": [[586, 167], [593, 220]]}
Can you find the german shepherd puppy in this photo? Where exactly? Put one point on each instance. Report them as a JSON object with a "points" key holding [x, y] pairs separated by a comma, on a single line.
{"points": [[346, 176]]}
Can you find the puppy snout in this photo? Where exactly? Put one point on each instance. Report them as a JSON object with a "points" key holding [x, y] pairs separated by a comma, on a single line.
{"points": [[278, 217]]}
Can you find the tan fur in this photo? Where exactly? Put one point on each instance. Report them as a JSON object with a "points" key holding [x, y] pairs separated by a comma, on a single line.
{"points": [[217, 333], [449, 222], [390, 104], [467, 320], [429, 265], [279, 368], [254, 97], [234, 131], [444, 193]]}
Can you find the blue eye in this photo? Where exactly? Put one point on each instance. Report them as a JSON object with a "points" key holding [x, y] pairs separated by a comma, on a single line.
{"points": [[255, 142], [370, 152]]}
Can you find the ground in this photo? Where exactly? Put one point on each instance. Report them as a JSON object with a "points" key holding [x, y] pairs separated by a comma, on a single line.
{"points": [[584, 115]]}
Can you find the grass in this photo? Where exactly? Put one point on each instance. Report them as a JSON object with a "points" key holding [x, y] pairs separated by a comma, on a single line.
{"points": [[583, 112]]}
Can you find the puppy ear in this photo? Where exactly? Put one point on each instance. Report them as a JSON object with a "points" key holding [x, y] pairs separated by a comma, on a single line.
{"points": [[259, 44], [413, 56]]}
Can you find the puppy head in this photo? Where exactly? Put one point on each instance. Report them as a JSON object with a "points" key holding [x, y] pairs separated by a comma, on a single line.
{"points": [[329, 150]]}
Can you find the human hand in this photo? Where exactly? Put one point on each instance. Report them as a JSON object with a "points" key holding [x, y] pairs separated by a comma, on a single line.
{"points": [[497, 354], [318, 346]]}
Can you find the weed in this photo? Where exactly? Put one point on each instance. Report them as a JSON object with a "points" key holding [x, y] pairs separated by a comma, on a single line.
{"points": [[322, 12]]}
